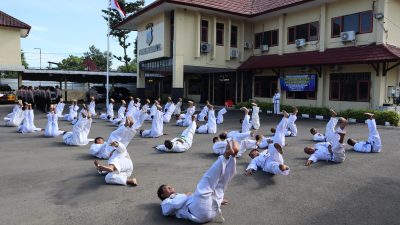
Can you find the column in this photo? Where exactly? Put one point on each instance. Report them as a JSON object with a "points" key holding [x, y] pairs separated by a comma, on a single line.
{"points": [[320, 88], [322, 29], [178, 55], [140, 84], [19, 79]]}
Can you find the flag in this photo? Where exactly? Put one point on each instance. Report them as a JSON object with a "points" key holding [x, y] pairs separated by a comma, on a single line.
{"points": [[115, 5]]}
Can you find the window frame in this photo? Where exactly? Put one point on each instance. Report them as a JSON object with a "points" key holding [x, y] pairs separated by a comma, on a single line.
{"points": [[259, 40], [371, 22], [201, 30], [292, 95], [236, 34], [340, 24], [222, 31], [294, 28], [359, 23], [358, 90]]}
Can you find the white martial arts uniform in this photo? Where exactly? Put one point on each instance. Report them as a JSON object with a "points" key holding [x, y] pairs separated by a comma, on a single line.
{"points": [[28, 125], [157, 126], [276, 100], [264, 142], [60, 109], [120, 115], [92, 108], [205, 203], [51, 129], [202, 114], [321, 152], [268, 161], [177, 110], [220, 115], [211, 126], [186, 119], [110, 112], [246, 125], [73, 113], [167, 105], [186, 137], [153, 110], [246, 144], [291, 130], [318, 137], [219, 147], [374, 143], [15, 118], [332, 136], [280, 130], [168, 114], [79, 133], [123, 164], [238, 136], [255, 118]]}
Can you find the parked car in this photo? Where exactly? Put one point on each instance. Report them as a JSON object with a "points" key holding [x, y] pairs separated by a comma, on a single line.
{"points": [[7, 95], [120, 93], [99, 93]]}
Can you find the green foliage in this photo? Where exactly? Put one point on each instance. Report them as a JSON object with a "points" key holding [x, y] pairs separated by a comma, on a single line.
{"points": [[122, 35], [380, 116], [132, 68], [23, 60], [72, 63], [99, 58]]}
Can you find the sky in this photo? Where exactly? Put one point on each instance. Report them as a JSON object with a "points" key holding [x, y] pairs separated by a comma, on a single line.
{"points": [[63, 27]]}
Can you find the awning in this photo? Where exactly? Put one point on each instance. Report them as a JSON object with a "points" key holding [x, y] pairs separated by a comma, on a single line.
{"points": [[335, 56]]}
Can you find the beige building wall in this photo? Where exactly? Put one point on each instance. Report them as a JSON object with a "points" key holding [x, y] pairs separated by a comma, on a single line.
{"points": [[10, 48], [392, 22]]}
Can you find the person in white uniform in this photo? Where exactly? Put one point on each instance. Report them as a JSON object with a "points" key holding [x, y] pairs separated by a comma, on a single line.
{"points": [[178, 107], [255, 118], [320, 152], [184, 120], [336, 136], [203, 113], [73, 111], [317, 137], [291, 130], [270, 161], [276, 100], [15, 118], [120, 113], [373, 144], [28, 124], [51, 129], [182, 143], [92, 106], [119, 167], [153, 110], [168, 104], [204, 205], [211, 126], [157, 125], [168, 114], [80, 131], [280, 130], [109, 115], [137, 103], [220, 115], [60, 108], [262, 141], [246, 125]]}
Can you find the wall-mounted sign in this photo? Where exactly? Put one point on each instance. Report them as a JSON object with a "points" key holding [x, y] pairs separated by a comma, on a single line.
{"points": [[151, 49], [301, 82], [149, 33], [151, 43]]}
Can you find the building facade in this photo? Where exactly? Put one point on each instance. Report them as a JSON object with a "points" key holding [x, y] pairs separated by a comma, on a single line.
{"points": [[335, 53], [11, 30]]}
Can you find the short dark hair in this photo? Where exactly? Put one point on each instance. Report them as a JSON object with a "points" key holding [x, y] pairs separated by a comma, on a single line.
{"points": [[215, 139], [312, 130], [258, 137], [98, 138], [273, 130], [222, 136], [160, 192], [168, 144], [251, 152], [241, 121]]}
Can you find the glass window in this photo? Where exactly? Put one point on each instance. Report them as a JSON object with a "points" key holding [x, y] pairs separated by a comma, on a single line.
{"points": [[366, 22], [220, 34], [350, 87], [336, 26], [302, 31], [313, 33], [194, 87], [234, 31], [204, 31], [351, 22], [264, 86], [274, 37], [363, 90], [300, 95], [267, 38], [291, 35], [257, 40]]}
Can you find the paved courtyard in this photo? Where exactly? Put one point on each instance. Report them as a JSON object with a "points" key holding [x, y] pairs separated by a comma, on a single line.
{"points": [[43, 181]]}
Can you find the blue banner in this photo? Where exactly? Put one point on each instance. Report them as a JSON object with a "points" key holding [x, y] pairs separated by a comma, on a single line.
{"points": [[301, 82]]}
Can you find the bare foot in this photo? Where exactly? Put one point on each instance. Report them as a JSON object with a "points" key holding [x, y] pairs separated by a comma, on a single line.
{"points": [[283, 167], [285, 114], [132, 182], [96, 163], [224, 202], [333, 113]]}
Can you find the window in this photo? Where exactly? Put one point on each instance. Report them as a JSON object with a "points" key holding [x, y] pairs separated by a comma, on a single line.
{"points": [[359, 22], [307, 31], [350, 87], [257, 40], [172, 25], [204, 31], [265, 86], [270, 38], [194, 87], [220, 34], [234, 32], [300, 95], [274, 38]]}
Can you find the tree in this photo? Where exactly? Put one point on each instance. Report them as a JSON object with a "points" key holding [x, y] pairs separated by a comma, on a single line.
{"points": [[122, 35], [23, 60], [131, 68], [98, 57], [72, 63]]}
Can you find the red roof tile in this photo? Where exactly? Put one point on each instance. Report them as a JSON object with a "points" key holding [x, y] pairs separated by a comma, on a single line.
{"points": [[9, 21], [334, 56]]}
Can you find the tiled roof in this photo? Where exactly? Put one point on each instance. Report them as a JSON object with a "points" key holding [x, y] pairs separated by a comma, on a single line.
{"points": [[334, 56], [9, 21]]}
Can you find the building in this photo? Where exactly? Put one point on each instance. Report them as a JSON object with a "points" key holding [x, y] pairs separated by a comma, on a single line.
{"points": [[11, 30], [322, 53]]}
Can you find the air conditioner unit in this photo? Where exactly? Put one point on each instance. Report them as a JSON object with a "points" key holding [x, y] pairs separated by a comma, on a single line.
{"points": [[247, 45], [264, 48], [205, 47], [300, 43], [234, 53], [348, 36]]}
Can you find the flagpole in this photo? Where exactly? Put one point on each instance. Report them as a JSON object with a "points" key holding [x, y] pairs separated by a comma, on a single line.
{"points": [[108, 55]]}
